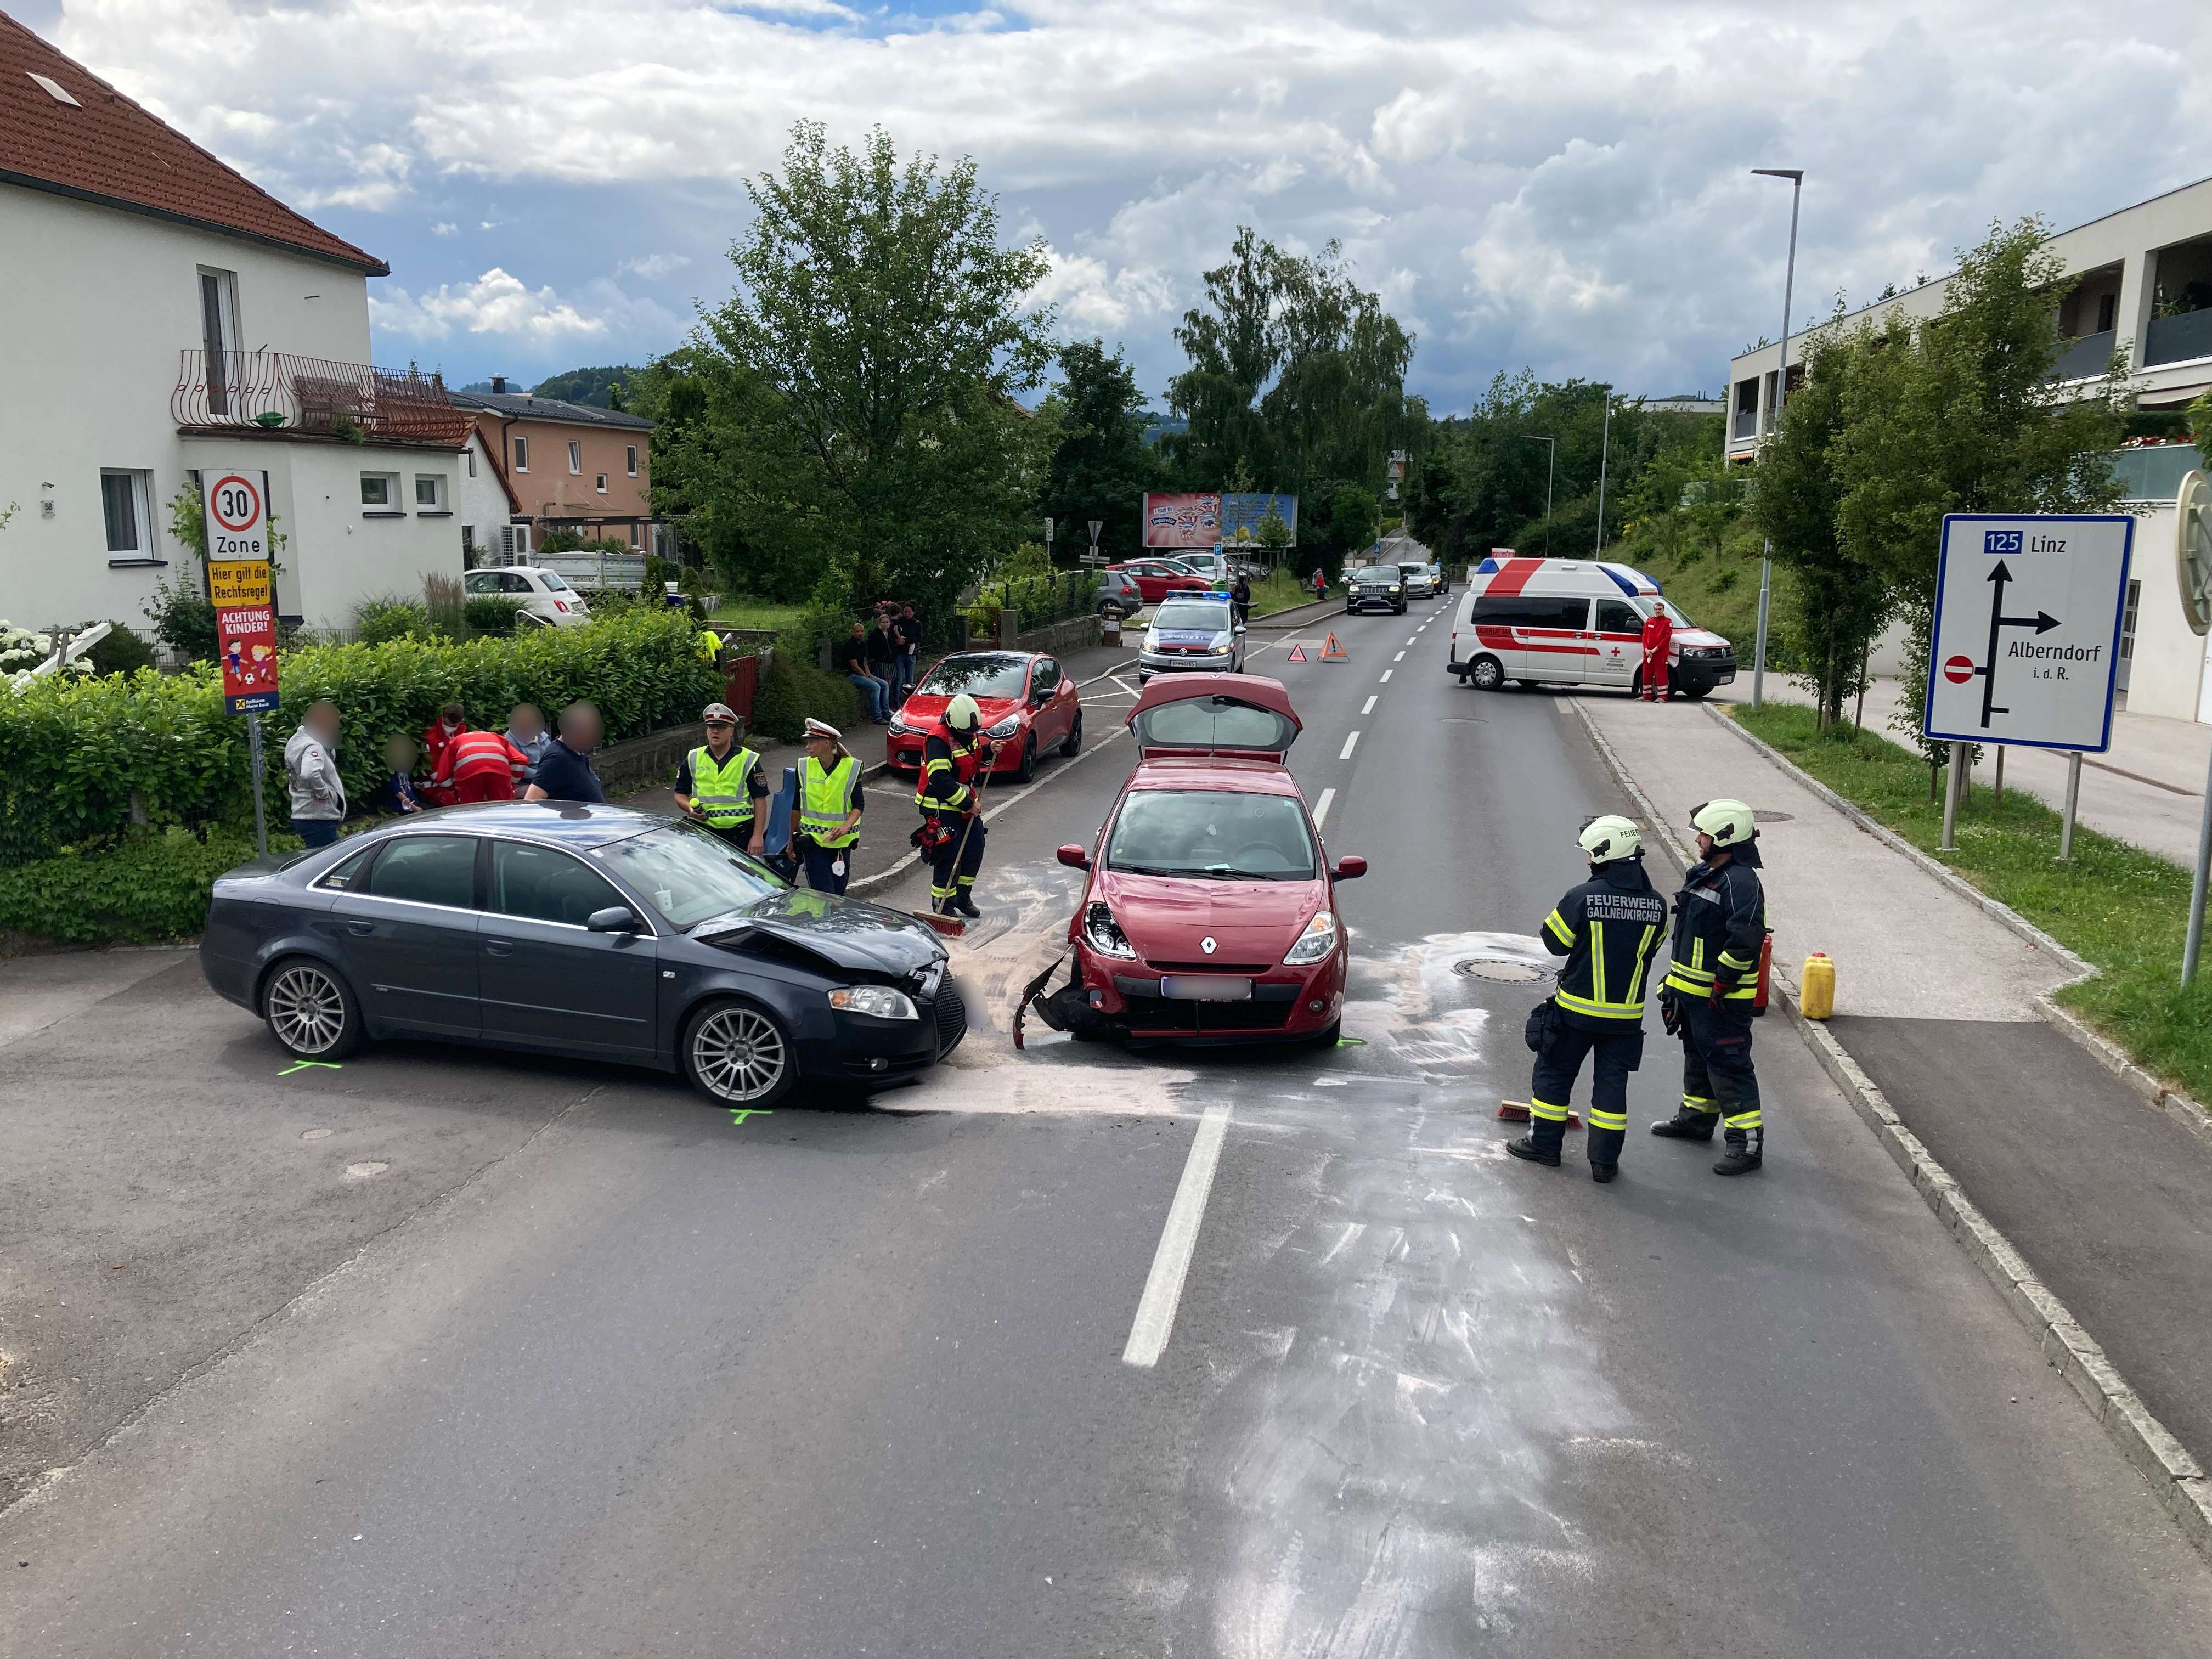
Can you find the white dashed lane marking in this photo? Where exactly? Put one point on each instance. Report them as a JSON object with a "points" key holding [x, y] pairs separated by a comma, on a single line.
{"points": [[1320, 807], [1385, 680], [1368, 708], [1349, 742]]}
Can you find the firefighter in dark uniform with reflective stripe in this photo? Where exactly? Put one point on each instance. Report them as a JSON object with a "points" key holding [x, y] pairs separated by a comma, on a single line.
{"points": [[1720, 932], [1607, 929], [951, 833]]}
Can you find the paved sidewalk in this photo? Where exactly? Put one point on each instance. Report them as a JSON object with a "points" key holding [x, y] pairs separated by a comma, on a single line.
{"points": [[2148, 789], [2103, 1195], [1903, 943]]}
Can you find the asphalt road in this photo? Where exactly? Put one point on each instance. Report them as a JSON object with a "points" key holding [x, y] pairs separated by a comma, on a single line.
{"points": [[586, 1369]]}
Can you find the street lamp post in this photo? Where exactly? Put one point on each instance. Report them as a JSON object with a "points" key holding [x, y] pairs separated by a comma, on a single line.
{"points": [[1551, 470], [1796, 178], [1604, 450]]}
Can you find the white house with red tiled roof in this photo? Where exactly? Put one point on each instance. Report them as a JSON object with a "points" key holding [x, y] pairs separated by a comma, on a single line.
{"points": [[160, 314]]}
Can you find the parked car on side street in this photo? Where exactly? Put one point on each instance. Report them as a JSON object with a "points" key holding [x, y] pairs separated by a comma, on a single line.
{"points": [[590, 931], [1118, 594], [545, 597], [1156, 579], [1027, 701], [1374, 587], [1210, 912]]}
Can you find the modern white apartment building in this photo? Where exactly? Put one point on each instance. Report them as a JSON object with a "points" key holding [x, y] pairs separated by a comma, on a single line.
{"points": [[2145, 289], [160, 314]]}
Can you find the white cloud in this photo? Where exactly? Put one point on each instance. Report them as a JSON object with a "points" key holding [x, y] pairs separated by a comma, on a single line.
{"points": [[495, 303], [1563, 186], [444, 227], [654, 266]]}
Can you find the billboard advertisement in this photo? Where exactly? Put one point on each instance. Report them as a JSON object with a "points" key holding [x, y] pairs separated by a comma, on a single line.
{"points": [[1242, 513], [1181, 521]]}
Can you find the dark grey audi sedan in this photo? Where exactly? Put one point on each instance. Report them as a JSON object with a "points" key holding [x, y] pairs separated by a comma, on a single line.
{"points": [[598, 932]]}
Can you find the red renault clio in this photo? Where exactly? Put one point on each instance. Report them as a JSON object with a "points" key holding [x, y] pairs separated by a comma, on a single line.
{"points": [[1211, 910]]}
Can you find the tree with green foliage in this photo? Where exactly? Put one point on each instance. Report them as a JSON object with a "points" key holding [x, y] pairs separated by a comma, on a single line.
{"points": [[876, 344], [604, 388], [1956, 415], [1103, 465], [1838, 602], [1297, 375]]}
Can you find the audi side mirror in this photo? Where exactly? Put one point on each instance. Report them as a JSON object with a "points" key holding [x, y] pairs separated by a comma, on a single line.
{"points": [[1349, 867], [1240, 628], [615, 918], [1075, 857]]}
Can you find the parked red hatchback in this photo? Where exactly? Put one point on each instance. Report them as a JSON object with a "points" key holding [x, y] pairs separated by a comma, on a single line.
{"points": [[1211, 914], [1028, 703], [1156, 580]]}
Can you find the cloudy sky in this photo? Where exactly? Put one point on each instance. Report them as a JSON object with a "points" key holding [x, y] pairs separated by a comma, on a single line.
{"points": [[1550, 183]]}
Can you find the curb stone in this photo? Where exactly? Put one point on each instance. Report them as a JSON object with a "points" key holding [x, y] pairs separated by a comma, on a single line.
{"points": [[2182, 1108], [2174, 1475]]}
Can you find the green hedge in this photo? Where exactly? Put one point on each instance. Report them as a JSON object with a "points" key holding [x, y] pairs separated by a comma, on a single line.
{"points": [[792, 691], [152, 887], [73, 754]]}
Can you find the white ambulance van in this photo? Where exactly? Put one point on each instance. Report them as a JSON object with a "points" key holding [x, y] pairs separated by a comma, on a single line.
{"points": [[1574, 622]]}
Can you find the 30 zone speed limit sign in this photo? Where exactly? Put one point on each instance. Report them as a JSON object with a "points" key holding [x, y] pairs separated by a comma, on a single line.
{"points": [[237, 509]]}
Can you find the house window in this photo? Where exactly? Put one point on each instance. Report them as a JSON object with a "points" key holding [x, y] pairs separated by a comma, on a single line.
{"points": [[2108, 310], [429, 493], [468, 547], [601, 482], [125, 502], [575, 458], [219, 335], [379, 494], [473, 463], [521, 453], [630, 456]]}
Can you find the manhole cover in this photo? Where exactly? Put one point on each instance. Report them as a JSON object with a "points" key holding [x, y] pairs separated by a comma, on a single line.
{"points": [[1759, 815], [1503, 971]]}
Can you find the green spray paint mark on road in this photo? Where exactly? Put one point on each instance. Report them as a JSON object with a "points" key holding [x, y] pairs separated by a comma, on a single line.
{"points": [[303, 1065], [1351, 1043], [739, 1114]]}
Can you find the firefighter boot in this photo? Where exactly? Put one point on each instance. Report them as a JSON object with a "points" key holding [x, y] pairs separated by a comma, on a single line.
{"points": [[1527, 1147], [1746, 1150], [964, 903], [1687, 1125]]}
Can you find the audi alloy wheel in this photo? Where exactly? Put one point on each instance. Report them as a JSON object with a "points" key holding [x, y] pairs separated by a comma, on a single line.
{"points": [[737, 1054], [310, 1012]]}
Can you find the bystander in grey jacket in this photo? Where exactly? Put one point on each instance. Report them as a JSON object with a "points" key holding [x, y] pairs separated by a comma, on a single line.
{"points": [[311, 770]]}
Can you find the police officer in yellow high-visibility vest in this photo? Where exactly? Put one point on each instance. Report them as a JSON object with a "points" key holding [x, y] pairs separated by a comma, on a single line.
{"points": [[719, 785], [826, 824], [1607, 929]]}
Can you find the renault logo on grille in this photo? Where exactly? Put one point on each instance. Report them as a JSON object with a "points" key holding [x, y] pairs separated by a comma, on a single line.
{"points": [[1207, 946]]}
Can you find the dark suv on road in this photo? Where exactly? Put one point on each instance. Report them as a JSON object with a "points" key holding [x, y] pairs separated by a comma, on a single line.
{"points": [[1374, 587], [1118, 594]]}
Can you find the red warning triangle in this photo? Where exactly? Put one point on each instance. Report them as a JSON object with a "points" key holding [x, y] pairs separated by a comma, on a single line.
{"points": [[1335, 653], [1297, 654]]}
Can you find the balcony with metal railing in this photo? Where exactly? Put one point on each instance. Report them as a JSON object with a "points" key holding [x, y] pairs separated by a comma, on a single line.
{"points": [[233, 392]]}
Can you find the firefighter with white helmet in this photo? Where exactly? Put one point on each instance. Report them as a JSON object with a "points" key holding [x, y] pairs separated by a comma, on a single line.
{"points": [[1608, 928], [952, 835], [1711, 986]]}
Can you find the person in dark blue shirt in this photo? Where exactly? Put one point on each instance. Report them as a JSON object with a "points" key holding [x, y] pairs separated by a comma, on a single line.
{"points": [[564, 771]]}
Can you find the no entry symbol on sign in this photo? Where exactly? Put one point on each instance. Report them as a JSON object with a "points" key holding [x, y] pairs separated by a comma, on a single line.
{"points": [[1957, 670]]}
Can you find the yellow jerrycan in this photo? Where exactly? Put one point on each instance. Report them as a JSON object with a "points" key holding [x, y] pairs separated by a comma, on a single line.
{"points": [[1816, 989]]}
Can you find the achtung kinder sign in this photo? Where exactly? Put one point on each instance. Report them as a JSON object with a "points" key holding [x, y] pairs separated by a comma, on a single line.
{"points": [[237, 509]]}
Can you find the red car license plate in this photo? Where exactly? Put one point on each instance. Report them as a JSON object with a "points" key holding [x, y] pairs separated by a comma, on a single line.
{"points": [[1204, 988]]}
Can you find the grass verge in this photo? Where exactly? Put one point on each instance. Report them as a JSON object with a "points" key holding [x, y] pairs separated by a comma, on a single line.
{"points": [[1281, 591], [2116, 906], [758, 613]]}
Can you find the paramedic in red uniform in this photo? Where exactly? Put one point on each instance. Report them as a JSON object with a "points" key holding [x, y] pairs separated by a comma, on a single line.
{"points": [[1658, 636], [477, 766]]}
